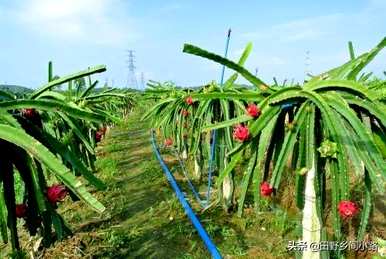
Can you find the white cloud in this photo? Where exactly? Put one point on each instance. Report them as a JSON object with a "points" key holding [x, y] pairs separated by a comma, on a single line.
{"points": [[91, 21]]}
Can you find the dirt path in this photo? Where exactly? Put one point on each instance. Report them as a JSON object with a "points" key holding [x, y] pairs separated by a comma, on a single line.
{"points": [[142, 219]]}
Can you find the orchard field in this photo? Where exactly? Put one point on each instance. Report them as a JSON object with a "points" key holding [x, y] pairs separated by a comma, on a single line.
{"points": [[263, 166]]}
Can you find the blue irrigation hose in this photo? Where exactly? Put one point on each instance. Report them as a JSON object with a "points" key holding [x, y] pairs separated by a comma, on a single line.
{"points": [[191, 185], [188, 210], [225, 55]]}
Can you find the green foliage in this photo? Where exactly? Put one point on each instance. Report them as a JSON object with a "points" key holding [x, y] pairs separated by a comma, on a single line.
{"points": [[50, 136], [335, 121]]}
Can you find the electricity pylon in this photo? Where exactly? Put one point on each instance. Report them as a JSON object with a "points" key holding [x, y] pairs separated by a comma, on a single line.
{"points": [[131, 77]]}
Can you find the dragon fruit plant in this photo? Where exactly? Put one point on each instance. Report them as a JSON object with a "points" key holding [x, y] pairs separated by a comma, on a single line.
{"points": [[332, 130], [204, 110], [48, 132]]}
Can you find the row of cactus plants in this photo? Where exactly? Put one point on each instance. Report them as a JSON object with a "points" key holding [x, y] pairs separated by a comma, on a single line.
{"points": [[49, 136], [328, 134]]}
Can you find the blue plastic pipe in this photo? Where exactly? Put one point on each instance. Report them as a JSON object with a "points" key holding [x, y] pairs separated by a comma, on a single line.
{"points": [[225, 56], [188, 210], [195, 192]]}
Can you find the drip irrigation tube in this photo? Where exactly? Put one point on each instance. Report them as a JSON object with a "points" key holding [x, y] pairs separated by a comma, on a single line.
{"points": [[203, 203], [188, 210]]}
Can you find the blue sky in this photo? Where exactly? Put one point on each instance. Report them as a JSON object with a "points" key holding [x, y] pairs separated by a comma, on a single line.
{"points": [[75, 34]]}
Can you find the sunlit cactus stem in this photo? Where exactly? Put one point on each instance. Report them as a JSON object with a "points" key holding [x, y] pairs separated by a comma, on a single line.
{"points": [[198, 162], [197, 169], [311, 222], [184, 153], [227, 191], [228, 183]]}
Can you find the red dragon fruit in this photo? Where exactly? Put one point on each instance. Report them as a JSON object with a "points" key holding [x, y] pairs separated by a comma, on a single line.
{"points": [[56, 193], [168, 142], [240, 133], [21, 210], [29, 113], [253, 110], [347, 209], [98, 136], [265, 189], [185, 112], [189, 100]]}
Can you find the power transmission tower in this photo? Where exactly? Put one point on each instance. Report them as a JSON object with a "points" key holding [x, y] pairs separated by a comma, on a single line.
{"points": [[143, 83], [131, 77], [307, 65]]}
